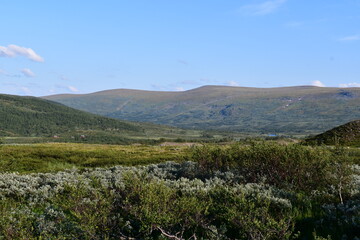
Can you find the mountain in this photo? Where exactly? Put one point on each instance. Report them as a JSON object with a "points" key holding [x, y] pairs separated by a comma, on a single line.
{"points": [[347, 134], [287, 110], [36, 117]]}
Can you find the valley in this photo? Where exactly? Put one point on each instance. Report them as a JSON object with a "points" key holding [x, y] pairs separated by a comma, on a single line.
{"points": [[67, 173], [180, 120]]}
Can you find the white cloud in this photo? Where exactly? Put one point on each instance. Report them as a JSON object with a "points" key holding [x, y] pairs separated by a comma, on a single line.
{"points": [[18, 89], [27, 72], [59, 88], [317, 83], [72, 89], [233, 84], [14, 50], [263, 8], [180, 89], [350, 38], [348, 85]]}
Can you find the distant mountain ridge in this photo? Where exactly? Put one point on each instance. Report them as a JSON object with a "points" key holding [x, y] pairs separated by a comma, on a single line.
{"points": [[286, 110]]}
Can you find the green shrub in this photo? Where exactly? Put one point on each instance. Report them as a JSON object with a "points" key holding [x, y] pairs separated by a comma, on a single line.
{"points": [[294, 167], [248, 195], [162, 210], [243, 216]]}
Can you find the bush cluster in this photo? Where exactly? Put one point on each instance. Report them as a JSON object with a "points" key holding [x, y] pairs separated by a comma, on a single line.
{"points": [[237, 199], [151, 202], [293, 167]]}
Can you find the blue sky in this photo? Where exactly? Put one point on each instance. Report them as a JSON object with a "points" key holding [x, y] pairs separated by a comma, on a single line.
{"points": [[50, 47]]}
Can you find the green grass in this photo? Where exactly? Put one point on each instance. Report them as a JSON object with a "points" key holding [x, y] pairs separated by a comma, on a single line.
{"points": [[59, 156], [51, 157]]}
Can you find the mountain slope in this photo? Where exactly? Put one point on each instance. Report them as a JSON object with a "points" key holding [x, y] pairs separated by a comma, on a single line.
{"points": [[347, 134], [290, 110], [33, 116], [36, 117]]}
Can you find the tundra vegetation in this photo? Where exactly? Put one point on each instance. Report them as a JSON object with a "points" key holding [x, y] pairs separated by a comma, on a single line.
{"points": [[240, 191]]}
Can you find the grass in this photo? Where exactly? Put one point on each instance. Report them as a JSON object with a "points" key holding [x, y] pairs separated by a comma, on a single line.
{"points": [[50, 157]]}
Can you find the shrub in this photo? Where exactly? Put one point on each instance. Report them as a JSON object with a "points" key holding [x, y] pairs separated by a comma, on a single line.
{"points": [[123, 202], [190, 200], [243, 216], [293, 167]]}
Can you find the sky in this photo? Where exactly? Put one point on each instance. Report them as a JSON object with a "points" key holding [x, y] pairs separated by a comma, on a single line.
{"points": [[51, 47]]}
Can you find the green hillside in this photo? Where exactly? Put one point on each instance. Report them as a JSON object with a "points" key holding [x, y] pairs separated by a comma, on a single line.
{"points": [[35, 117], [30, 116], [347, 134], [289, 110]]}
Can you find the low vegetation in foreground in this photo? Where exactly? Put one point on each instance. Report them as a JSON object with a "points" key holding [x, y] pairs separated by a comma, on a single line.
{"points": [[253, 191]]}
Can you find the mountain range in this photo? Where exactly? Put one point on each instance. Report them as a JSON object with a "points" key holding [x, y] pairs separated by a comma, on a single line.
{"points": [[301, 110]]}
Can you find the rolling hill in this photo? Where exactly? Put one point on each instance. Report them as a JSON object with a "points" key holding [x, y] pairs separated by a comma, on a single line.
{"points": [[347, 134], [36, 117], [298, 110]]}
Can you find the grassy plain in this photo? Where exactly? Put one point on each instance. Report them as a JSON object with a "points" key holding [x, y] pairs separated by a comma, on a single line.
{"points": [[49, 157]]}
